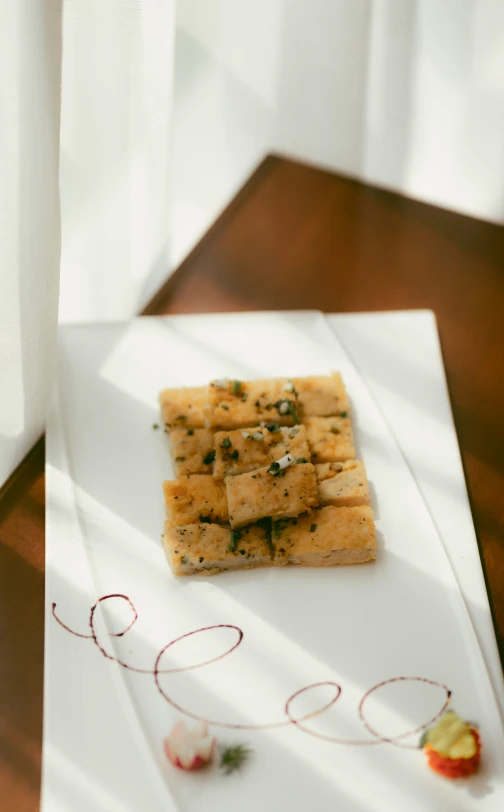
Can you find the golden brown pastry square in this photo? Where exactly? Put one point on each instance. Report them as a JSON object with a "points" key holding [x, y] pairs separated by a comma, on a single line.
{"points": [[261, 493], [184, 407], [205, 549], [243, 450], [240, 404], [321, 395], [192, 451], [196, 498], [331, 535], [347, 487], [330, 439]]}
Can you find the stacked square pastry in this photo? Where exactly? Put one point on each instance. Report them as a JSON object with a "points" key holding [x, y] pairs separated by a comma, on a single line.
{"points": [[267, 475]]}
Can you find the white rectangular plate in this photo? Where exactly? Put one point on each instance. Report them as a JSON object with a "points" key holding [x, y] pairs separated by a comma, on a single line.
{"points": [[352, 627]]}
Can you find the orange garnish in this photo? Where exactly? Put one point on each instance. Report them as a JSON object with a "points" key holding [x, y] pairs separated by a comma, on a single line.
{"points": [[454, 767]]}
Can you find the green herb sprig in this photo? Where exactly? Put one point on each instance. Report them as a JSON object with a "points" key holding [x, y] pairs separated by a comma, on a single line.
{"points": [[233, 757], [292, 411]]}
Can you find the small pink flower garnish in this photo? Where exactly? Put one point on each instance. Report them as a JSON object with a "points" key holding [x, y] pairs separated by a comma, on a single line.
{"points": [[189, 749]]}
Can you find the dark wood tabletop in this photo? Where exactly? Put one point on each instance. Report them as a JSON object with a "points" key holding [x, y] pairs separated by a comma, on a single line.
{"points": [[294, 237]]}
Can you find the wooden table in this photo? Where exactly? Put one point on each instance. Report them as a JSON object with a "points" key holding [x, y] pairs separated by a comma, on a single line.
{"points": [[294, 237]]}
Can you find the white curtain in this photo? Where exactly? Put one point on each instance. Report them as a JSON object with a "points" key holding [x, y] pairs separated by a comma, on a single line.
{"points": [[30, 74], [107, 66], [406, 94], [115, 154]]}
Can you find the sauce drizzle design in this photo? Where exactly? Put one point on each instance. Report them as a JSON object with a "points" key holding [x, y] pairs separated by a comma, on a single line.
{"points": [[291, 719]]}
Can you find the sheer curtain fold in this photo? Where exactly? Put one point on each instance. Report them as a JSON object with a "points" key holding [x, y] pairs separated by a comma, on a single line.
{"points": [[102, 69], [30, 80], [115, 152]]}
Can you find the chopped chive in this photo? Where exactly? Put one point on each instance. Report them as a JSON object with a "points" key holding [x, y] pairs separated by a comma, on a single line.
{"points": [[235, 538], [226, 443], [234, 455], [313, 528], [190, 432], [335, 430], [301, 460], [223, 406], [184, 559], [292, 412], [242, 552], [201, 559], [205, 519], [235, 387], [179, 459], [342, 414], [209, 457], [272, 426], [274, 468], [155, 425]]}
